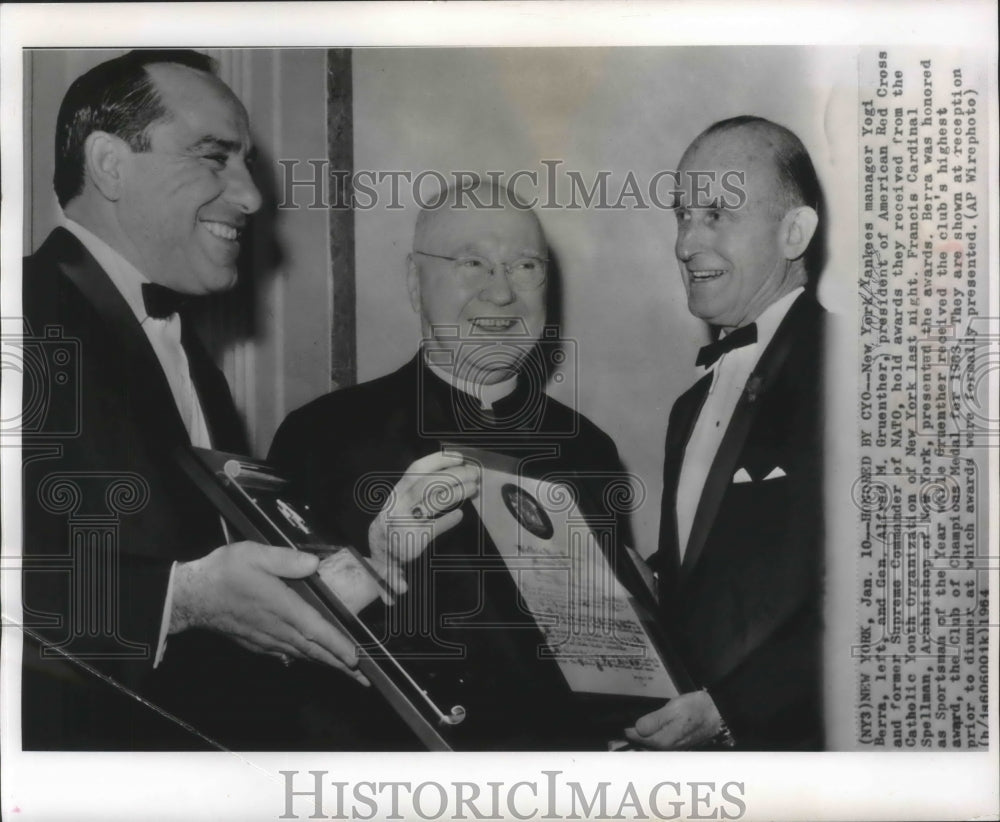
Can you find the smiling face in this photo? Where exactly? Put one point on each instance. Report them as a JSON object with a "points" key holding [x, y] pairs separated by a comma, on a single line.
{"points": [[184, 203], [735, 262], [482, 325]]}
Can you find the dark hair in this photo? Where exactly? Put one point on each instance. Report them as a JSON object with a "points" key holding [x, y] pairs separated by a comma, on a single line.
{"points": [[118, 97], [797, 179]]}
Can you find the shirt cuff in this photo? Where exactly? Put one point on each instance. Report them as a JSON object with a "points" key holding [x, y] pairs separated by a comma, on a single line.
{"points": [[168, 603]]}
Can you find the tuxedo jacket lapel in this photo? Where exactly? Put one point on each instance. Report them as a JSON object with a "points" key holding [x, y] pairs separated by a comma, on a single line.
{"points": [[682, 419], [142, 365], [725, 462], [146, 377], [221, 416]]}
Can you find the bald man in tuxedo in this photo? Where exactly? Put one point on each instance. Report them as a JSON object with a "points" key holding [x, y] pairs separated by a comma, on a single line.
{"points": [[740, 554]]}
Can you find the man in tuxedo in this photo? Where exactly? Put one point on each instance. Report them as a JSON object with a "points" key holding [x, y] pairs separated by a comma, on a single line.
{"points": [[739, 560], [146, 625], [478, 277]]}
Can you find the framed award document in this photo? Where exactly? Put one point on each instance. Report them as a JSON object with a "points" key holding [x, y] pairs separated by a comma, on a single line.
{"points": [[594, 612], [540, 636]]}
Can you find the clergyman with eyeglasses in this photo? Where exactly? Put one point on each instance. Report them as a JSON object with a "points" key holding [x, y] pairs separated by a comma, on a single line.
{"points": [[479, 276]]}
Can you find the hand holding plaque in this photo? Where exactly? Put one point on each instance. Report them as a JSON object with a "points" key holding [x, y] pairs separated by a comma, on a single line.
{"points": [[427, 494], [688, 721], [422, 505], [238, 590]]}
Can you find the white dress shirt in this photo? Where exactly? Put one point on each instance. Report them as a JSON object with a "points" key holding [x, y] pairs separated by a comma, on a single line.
{"points": [[729, 377], [165, 337]]}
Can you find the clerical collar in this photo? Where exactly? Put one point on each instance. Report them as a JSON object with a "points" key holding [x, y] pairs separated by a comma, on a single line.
{"points": [[125, 276], [485, 394]]}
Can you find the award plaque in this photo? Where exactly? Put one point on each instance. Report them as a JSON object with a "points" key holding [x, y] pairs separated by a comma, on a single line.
{"points": [[255, 501]]}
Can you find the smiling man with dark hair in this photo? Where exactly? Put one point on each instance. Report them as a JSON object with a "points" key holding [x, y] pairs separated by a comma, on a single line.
{"points": [[119, 97], [152, 172]]}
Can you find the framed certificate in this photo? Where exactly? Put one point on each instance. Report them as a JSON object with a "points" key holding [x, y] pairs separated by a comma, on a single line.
{"points": [[596, 616]]}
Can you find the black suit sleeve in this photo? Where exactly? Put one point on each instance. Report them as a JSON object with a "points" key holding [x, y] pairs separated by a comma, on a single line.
{"points": [[107, 511]]}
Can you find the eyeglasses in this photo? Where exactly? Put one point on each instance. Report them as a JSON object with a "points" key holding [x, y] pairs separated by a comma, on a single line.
{"points": [[524, 274]]}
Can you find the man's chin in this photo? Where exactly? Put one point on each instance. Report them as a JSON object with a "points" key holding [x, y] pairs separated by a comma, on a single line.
{"points": [[218, 279], [705, 311]]}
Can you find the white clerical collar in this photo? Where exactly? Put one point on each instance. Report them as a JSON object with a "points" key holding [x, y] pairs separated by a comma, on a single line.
{"points": [[486, 394], [125, 276]]}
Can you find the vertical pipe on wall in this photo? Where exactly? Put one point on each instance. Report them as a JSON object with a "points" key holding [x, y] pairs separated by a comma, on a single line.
{"points": [[277, 284], [340, 152]]}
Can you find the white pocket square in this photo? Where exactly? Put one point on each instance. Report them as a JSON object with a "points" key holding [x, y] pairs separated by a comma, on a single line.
{"points": [[777, 473], [742, 476]]}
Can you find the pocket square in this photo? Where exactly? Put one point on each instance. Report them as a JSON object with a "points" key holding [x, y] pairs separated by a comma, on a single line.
{"points": [[777, 473], [742, 476]]}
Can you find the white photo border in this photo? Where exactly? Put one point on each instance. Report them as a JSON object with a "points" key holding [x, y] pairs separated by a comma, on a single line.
{"points": [[832, 786]]}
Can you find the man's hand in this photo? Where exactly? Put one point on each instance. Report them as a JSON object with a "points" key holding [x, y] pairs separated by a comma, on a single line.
{"points": [[237, 590], [422, 506], [687, 721]]}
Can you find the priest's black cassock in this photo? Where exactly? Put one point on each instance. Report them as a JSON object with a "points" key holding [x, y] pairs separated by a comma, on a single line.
{"points": [[462, 604]]}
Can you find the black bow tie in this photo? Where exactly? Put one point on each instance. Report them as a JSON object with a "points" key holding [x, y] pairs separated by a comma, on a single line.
{"points": [[744, 335], [161, 301]]}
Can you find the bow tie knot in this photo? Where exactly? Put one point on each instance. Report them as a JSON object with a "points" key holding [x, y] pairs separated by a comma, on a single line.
{"points": [[738, 338], [162, 302]]}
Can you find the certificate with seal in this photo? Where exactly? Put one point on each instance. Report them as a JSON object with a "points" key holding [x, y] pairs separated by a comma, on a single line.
{"points": [[595, 615]]}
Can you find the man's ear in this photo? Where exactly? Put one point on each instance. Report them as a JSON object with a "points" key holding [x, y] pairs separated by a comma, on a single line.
{"points": [[413, 282], [103, 156], [797, 230]]}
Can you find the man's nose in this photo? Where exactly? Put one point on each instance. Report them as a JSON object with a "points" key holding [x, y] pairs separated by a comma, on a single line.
{"points": [[497, 289], [242, 191], [690, 239]]}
